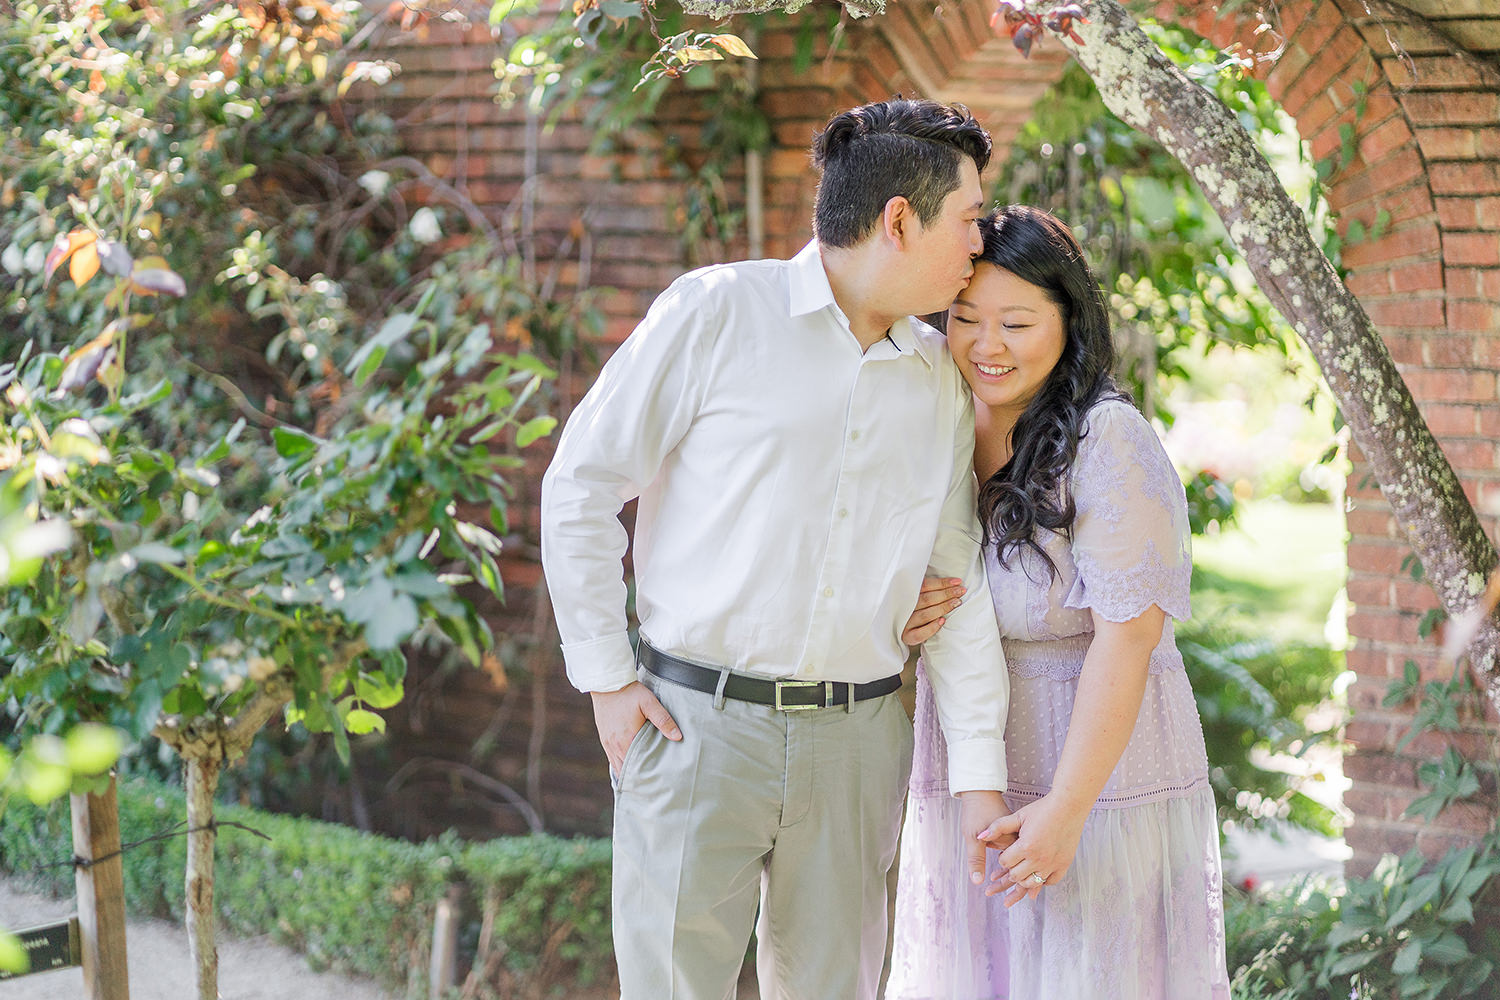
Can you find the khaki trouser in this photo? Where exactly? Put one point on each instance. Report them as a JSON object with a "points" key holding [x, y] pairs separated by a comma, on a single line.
{"points": [[797, 812]]}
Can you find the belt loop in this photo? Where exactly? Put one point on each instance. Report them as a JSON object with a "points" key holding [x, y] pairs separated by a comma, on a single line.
{"points": [[719, 691], [849, 702]]}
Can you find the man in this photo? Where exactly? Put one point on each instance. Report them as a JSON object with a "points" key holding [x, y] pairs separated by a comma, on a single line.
{"points": [[802, 451]]}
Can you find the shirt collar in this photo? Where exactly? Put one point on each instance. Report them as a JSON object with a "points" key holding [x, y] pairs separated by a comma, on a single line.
{"points": [[810, 291], [904, 336]]}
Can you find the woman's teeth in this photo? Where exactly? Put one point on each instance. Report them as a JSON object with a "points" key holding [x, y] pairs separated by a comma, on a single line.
{"points": [[994, 371]]}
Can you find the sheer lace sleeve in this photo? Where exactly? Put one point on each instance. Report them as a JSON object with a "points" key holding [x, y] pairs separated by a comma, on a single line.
{"points": [[1130, 538]]}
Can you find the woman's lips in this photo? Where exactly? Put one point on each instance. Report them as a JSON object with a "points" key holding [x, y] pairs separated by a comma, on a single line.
{"points": [[993, 371]]}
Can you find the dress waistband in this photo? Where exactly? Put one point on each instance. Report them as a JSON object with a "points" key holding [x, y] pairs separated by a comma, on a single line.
{"points": [[1056, 658]]}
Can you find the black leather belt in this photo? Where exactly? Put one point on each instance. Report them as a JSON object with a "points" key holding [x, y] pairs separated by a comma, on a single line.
{"points": [[784, 695]]}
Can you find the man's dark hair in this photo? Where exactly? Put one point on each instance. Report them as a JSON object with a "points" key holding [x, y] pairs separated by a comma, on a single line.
{"points": [[871, 154]]}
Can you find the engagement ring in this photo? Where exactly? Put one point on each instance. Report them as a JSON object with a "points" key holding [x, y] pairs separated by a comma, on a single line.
{"points": [[1037, 878]]}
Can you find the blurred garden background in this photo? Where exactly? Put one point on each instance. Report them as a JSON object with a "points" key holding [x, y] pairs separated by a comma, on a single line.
{"points": [[293, 295]]}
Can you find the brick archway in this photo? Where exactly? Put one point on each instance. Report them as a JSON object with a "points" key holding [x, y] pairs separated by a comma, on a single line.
{"points": [[1407, 105], [1408, 98]]}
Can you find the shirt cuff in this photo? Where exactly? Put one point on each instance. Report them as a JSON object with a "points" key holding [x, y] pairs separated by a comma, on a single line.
{"points": [[976, 765], [603, 664]]}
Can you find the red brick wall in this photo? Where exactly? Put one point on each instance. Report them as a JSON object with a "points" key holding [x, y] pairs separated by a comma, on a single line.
{"points": [[1422, 98], [1426, 132]]}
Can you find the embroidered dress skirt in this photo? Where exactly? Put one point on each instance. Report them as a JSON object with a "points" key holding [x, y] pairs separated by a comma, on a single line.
{"points": [[1139, 915]]}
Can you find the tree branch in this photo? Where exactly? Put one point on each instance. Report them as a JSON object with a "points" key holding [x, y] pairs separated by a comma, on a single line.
{"points": [[1138, 83]]}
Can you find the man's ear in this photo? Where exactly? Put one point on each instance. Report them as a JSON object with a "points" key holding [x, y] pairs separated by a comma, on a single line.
{"points": [[897, 222]]}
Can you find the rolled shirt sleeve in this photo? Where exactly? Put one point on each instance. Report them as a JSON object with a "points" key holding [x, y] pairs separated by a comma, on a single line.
{"points": [[965, 662], [612, 446]]}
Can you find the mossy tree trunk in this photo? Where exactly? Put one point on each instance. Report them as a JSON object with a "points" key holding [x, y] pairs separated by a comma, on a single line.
{"points": [[1145, 89]]}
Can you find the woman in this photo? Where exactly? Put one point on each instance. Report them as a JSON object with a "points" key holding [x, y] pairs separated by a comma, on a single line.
{"points": [[1110, 885]]}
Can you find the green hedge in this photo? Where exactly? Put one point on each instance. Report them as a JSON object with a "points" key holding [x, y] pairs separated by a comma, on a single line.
{"points": [[349, 900]]}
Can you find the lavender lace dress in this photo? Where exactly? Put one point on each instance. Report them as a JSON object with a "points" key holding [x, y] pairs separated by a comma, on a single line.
{"points": [[1139, 915]]}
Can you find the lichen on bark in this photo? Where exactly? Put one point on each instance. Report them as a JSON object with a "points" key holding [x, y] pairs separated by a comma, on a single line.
{"points": [[1138, 83]]}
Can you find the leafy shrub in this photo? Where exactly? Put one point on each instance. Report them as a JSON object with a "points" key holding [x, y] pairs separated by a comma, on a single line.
{"points": [[1275, 938], [1254, 694], [353, 901], [1412, 929]]}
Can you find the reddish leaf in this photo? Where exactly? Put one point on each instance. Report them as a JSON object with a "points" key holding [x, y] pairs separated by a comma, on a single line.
{"points": [[158, 280], [697, 54], [1022, 38], [85, 263], [253, 13], [114, 258], [1012, 13], [734, 45], [65, 247], [84, 363]]}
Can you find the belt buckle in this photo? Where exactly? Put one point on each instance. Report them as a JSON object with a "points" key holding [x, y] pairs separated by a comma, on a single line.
{"points": [[827, 696]]}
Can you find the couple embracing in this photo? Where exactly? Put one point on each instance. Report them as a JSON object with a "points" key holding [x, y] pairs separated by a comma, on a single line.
{"points": [[825, 481]]}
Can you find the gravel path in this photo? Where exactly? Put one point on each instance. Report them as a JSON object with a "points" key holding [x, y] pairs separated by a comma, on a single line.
{"points": [[249, 969]]}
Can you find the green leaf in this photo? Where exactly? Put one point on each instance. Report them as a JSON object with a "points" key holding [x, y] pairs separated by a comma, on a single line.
{"points": [[1422, 891], [501, 9], [388, 616], [359, 721], [397, 622], [140, 400], [533, 429], [1348, 964], [220, 450], [369, 365], [378, 692], [1460, 911], [93, 748], [1477, 974], [488, 431], [340, 737], [1449, 949], [291, 442], [12, 955], [43, 771], [148, 697], [156, 552], [420, 584], [1344, 933], [1407, 959], [1431, 620]]}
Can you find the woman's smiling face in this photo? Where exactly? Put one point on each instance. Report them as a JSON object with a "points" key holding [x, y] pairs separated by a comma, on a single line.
{"points": [[1007, 336]]}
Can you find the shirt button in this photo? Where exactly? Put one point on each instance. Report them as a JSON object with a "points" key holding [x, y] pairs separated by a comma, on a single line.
{"points": [[827, 591], [843, 512], [854, 435]]}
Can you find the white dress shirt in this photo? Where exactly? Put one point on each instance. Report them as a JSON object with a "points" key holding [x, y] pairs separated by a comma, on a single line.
{"points": [[793, 493]]}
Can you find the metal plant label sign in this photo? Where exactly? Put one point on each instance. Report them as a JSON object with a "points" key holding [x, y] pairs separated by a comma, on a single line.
{"points": [[52, 946]]}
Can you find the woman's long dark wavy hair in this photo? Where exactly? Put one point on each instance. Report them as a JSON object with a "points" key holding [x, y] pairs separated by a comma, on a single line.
{"points": [[1031, 490]]}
